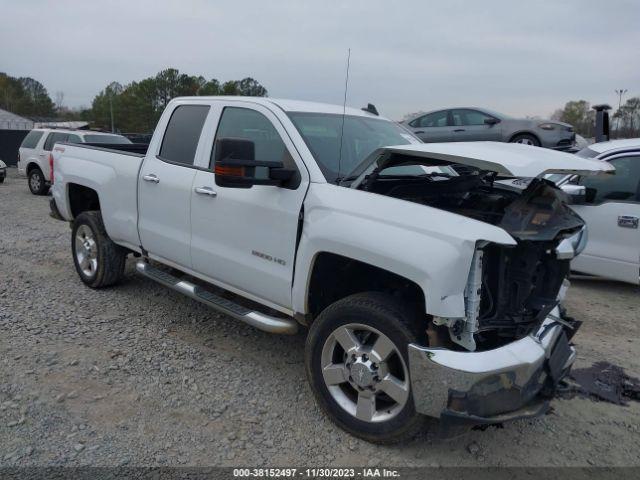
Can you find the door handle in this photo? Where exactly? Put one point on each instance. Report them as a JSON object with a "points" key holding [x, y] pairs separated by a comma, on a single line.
{"points": [[151, 178], [419, 131], [205, 191], [459, 130], [628, 221]]}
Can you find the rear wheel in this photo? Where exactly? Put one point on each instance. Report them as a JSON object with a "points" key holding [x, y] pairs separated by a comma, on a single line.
{"points": [[526, 139], [357, 364], [37, 183], [98, 261]]}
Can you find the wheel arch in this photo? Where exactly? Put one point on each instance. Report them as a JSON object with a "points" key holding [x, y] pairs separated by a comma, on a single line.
{"points": [[81, 198], [32, 166], [335, 276]]}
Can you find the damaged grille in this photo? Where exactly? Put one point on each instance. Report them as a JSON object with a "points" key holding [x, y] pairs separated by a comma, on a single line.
{"points": [[520, 287]]}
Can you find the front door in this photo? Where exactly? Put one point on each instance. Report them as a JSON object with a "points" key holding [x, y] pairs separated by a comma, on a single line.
{"points": [[244, 239], [165, 185], [612, 215], [469, 126]]}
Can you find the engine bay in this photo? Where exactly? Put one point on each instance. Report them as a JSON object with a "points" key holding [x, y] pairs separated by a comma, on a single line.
{"points": [[519, 284]]}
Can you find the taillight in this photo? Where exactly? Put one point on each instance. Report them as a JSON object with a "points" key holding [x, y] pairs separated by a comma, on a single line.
{"points": [[51, 168]]}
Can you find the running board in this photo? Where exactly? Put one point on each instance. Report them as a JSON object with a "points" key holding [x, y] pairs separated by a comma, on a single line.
{"points": [[258, 320]]}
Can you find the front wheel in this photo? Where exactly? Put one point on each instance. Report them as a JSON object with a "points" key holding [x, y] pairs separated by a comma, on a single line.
{"points": [[526, 139], [357, 364], [98, 261]]}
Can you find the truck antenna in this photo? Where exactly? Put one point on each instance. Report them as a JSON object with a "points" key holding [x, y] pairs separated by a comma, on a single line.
{"points": [[344, 110]]}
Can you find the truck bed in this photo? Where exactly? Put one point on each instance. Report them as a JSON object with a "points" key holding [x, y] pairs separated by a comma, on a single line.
{"points": [[111, 171]]}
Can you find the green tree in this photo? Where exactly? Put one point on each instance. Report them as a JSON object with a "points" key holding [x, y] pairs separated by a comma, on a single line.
{"points": [[25, 96], [627, 119], [579, 114], [137, 106]]}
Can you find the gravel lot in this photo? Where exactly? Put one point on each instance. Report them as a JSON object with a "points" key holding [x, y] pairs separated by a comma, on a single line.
{"points": [[139, 375]]}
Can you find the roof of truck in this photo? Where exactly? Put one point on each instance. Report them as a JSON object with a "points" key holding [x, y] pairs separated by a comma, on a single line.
{"points": [[293, 105]]}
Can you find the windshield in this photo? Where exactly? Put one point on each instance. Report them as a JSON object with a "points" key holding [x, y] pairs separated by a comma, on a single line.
{"points": [[362, 135], [111, 139]]}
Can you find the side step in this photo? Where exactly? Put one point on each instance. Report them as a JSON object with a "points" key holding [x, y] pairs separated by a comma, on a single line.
{"points": [[253, 318]]}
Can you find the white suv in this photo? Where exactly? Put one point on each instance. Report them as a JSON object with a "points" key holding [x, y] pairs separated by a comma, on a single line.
{"points": [[37, 145]]}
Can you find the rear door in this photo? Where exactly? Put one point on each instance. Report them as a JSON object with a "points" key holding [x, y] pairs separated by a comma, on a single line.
{"points": [[612, 215], [165, 186], [433, 127], [28, 149], [469, 126], [43, 155], [244, 239]]}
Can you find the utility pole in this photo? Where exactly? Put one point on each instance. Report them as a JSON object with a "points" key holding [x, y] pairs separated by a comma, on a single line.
{"points": [[619, 92], [111, 111]]}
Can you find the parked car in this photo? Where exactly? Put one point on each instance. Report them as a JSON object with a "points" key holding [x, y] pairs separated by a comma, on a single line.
{"points": [[479, 124], [35, 149], [425, 292], [610, 205], [3, 171]]}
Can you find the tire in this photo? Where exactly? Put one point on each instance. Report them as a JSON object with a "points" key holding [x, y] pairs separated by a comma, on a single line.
{"points": [[98, 261], [37, 183], [526, 139], [393, 420], [1, 179]]}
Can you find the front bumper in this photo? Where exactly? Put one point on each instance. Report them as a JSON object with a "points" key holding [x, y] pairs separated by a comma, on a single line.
{"points": [[510, 382]]}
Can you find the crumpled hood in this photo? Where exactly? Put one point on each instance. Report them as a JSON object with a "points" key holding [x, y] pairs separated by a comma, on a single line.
{"points": [[507, 159]]}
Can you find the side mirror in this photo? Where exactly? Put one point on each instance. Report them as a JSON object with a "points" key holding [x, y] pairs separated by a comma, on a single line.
{"points": [[577, 193], [235, 166], [491, 121]]}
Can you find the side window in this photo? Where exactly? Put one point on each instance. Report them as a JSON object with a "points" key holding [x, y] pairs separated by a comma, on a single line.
{"points": [[183, 133], [436, 119], [252, 125], [53, 138], [624, 185], [32, 139], [463, 116], [72, 138]]}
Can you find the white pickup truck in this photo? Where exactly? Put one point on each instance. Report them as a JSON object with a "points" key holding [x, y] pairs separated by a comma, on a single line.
{"points": [[427, 287]]}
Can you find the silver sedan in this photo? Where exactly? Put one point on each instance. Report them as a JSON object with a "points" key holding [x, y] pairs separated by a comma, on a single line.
{"points": [[476, 124]]}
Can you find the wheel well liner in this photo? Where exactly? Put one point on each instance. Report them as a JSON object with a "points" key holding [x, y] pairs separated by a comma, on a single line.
{"points": [[32, 166], [335, 277], [82, 199]]}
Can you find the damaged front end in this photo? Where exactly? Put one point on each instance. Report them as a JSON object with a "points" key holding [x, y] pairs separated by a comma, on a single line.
{"points": [[514, 381], [521, 284], [506, 356]]}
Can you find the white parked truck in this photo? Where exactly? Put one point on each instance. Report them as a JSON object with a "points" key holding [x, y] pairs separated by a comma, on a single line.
{"points": [[427, 287]]}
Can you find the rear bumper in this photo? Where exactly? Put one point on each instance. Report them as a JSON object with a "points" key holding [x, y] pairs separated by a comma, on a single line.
{"points": [[507, 383]]}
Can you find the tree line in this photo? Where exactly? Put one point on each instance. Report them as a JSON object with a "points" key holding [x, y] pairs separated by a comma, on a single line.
{"points": [[624, 123], [136, 106], [25, 96]]}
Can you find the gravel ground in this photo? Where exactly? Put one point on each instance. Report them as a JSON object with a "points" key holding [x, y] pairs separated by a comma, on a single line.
{"points": [[139, 375]]}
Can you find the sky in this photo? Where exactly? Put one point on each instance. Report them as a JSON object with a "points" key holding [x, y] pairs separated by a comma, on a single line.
{"points": [[520, 58]]}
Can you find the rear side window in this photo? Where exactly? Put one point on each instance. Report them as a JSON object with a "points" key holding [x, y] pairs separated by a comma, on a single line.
{"points": [[183, 133], [71, 138], [32, 139], [53, 138]]}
